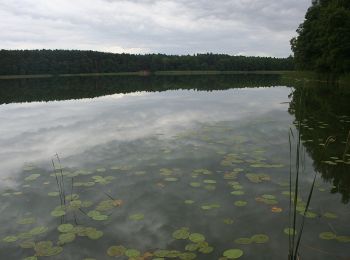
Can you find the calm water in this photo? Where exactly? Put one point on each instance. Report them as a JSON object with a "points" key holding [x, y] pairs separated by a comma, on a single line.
{"points": [[190, 165]]}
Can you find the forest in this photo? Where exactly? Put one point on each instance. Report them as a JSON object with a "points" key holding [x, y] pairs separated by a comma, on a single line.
{"points": [[323, 41], [30, 62]]}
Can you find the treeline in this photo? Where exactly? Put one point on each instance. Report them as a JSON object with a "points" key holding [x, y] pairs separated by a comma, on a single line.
{"points": [[65, 88], [28, 62], [323, 41]]}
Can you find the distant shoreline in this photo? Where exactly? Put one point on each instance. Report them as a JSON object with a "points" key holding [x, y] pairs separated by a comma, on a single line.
{"points": [[141, 73]]}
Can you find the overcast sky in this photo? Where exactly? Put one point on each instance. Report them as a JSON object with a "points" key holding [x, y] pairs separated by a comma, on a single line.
{"points": [[247, 27]]}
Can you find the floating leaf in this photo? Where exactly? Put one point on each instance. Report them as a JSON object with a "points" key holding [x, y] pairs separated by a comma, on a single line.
{"points": [[10, 239], [228, 221], [260, 238], [181, 233], [116, 251], [64, 228], [38, 230], [240, 203], [196, 237], [136, 217], [343, 239], [27, 244], [26, 221], [276, 209], [32, 177], [289, 231], [58, 213], [330, 215], [243, 241], [195, 184], [53, 194], [94, 234], [209, 181], [191, 247], [327, 235], [30, 258], [132, 253], [66, 238], [237, 192], [206, 250], [171, 179], [233, 253], [189, 202], [268, 196]]}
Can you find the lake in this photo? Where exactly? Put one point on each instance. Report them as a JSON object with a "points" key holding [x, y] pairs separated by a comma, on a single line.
{"points": [[171, 167]]}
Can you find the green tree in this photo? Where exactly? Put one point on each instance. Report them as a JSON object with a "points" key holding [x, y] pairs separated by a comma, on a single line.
{"points": [[323, 41]]}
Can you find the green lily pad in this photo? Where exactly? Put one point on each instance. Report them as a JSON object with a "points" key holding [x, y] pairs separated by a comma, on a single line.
{"points": [[343, 239], [116, 251], [53, 194], [66, 238], [136, 217], [243, 241], [330, 215], [26, 221], [132, 253], [240, 203], [290, 231], [268, 196], [186, 256], [181, 233], [228, 221], [171, 179], [327, 235], [30, 258], [237, 192], [233, 253], [195, 184], [196, 237], [10, 239], [94, 234], [206, 250], [260, 238], [32, 177], [27, 244], [58, 213], [64, 228], [188, 202], [209, 181], [38, 230], [191, 247]]}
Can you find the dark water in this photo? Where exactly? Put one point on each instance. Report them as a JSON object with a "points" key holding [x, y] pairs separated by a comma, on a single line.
{"points": [[142, 158]]}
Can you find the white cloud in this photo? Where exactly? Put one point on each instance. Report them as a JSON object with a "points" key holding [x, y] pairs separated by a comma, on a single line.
{"points": [[252, 27]]}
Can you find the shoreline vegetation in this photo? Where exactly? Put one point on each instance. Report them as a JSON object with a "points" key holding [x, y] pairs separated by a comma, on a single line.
{"points": [[307, 76]]}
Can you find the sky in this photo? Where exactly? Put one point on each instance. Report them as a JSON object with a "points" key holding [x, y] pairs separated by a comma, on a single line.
{"points": [[235, 27]]}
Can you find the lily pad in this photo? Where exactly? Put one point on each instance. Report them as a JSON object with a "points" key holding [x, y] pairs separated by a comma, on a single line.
{"points": [[136, 217], [38, 230], [181, 233], [189, 202], [343, 239], [243, 241], [132, 253], [32, 177], [290, 231], [233, 253], [64, 228], [66, 238], [260, 238], [327, 235], [237, 192], [26, 221], [330, 215], [240, 203], [116, 251], [10, 239], [196, 237]]}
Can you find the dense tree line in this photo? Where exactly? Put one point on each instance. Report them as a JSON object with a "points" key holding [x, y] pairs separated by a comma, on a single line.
{"points": [[26, 62], [323, 41], [64, 88]]}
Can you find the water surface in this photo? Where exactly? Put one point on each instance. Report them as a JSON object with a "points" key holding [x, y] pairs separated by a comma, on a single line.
{"points": [[204, 155]]}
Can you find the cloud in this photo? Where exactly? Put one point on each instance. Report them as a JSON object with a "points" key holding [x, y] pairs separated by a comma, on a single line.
{"points": [[251, 27]]}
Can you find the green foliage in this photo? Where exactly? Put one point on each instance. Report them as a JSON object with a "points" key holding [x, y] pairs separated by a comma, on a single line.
{"points": [[323, 41], [31, 62]]}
